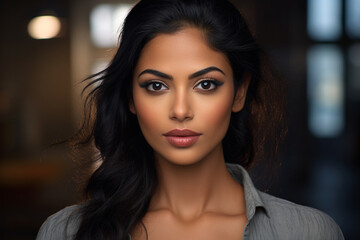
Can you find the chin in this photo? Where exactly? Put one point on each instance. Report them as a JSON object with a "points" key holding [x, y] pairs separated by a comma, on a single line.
{"points": [[186, 163], [181, 158], [184, 157]]}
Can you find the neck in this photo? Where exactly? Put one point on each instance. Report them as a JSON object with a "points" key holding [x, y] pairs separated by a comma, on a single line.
{"points": [[191, 190]]}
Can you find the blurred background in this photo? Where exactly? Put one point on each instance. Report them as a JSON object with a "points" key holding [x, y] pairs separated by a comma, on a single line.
{"points": [[48, 46]]}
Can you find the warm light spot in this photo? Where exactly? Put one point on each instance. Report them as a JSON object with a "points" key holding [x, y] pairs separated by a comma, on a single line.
{"points": [[44, 27]]}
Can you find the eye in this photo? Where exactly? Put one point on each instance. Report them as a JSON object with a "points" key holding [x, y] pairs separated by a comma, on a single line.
{"points": [[154, 86], [208, 85]]}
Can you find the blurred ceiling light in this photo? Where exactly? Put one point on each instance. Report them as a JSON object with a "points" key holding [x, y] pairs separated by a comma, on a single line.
{"points": [[44, 27], [106, 21]]}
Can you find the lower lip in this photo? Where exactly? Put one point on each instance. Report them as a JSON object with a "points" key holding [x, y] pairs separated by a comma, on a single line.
{"points": [[182, 142]]}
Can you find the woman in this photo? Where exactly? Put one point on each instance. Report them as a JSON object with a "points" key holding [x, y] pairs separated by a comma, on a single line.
{"points": [[180, 113]]}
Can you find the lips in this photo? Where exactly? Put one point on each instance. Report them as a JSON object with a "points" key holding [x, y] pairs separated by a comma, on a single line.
{"points": [[182, 138]]}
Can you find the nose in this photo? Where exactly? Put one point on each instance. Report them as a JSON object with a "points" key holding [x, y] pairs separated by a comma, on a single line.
{"points": [[181, 106]]}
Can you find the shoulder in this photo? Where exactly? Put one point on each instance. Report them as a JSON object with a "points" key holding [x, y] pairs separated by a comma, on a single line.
{"points": [[61, 225], [292, 219]]}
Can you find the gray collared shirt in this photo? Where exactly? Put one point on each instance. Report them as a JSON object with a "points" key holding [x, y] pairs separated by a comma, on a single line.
{"points": [[268, 217], [274, 218]]}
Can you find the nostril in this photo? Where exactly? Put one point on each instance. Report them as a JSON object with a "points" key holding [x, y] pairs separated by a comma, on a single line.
{"points": [[181, 113]]}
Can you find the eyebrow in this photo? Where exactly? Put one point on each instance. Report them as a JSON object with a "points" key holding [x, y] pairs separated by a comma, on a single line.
{"points": [[193, 75], [156, 73], [204, 71]]}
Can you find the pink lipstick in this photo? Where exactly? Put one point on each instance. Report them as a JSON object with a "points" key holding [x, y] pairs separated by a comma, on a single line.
{"points": [[182, 138]]}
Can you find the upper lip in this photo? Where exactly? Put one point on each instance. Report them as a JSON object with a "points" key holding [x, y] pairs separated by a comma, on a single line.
{"points": [[181, 133]]}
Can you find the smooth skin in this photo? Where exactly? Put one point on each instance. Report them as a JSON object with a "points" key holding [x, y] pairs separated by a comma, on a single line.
{"points": [[181, 83]]}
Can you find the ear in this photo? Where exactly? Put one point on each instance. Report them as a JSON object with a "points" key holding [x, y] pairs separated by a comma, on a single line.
{"points": [[240, 95], [132, 106]]}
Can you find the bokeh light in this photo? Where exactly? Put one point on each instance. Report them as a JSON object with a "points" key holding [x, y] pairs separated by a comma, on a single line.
{"points": [[44, 27]]}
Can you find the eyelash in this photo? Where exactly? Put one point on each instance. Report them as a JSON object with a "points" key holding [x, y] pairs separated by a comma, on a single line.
{"points": [[147, 84], [211, 81]]}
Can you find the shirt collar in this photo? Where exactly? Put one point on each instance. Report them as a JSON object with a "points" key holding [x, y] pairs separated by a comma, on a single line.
{"points": [[252, 197]]}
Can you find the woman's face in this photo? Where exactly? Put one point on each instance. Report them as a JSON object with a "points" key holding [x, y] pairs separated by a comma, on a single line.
{"points": [[183, 96]]}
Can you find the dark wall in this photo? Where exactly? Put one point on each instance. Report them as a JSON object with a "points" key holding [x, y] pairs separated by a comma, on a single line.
{"points": [[35, 83], [317, 172], [35, 111]]}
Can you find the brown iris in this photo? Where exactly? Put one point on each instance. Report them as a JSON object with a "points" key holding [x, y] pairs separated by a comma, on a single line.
{"points": [[205, 84]]}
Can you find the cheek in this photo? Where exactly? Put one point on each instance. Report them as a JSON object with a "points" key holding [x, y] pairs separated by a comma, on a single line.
{"points": [[145, 117], [148, 111], [216, 113]]}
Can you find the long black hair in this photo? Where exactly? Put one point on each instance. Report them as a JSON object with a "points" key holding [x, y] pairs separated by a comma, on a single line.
{"points": [[119, 191]]}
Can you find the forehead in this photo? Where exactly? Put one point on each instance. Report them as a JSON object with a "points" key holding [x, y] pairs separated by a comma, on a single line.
{"points": [[184, 50]]}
